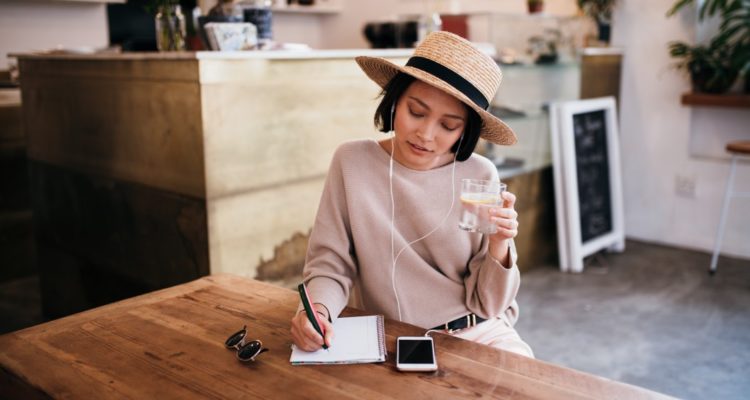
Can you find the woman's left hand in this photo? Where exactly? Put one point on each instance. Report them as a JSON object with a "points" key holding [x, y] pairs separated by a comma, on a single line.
{"points": [[506, 219]]}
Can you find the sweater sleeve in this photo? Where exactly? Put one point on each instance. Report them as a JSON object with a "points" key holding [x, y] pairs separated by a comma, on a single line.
{"points": [[491, 288], [330, 264]]}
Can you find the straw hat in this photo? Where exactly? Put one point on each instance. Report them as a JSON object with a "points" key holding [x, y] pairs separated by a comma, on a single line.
{"points": [[453, 65]]}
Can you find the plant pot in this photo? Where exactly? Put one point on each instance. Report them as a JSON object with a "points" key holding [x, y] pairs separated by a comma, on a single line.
{"points": [[604, 28], [535, 7], [707, 80]]}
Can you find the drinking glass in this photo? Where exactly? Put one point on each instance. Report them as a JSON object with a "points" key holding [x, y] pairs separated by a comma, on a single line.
{"points": [[477, 197]]}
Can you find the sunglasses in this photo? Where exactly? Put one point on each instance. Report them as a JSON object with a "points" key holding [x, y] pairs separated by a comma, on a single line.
{"points": [[246, 351]]}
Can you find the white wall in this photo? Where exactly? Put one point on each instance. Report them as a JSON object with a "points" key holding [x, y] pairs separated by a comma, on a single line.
{"points": [[656, 132], [39, 25], [344, 30], [299, 28]]}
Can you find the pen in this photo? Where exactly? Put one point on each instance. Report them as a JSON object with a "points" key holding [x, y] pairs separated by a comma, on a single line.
{"points": [[312, 316]]}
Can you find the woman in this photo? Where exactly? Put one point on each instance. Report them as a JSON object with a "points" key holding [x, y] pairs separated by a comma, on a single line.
{"points": [[387, 220]]}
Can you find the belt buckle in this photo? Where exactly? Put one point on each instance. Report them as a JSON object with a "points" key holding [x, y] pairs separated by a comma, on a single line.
{"points": [[471, 321]]}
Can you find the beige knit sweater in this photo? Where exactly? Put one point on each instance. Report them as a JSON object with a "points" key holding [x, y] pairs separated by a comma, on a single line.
{"points": [[445, 276]]}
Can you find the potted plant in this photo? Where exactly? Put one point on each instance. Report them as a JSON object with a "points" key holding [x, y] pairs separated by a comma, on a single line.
{"points": [[740, 59], [728, 54], [710, 68], [601, 12], [735, 29], [535, 6]]}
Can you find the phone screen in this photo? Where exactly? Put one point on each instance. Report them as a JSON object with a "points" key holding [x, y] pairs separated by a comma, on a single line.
{"points": [[415, 352]]}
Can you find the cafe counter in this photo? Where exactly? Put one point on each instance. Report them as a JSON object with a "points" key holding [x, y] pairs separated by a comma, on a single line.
{"points": [[149, 170]]}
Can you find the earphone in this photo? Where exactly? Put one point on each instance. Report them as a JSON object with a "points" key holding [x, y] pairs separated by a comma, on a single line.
{"points": [[393, 209], [390, 167]]}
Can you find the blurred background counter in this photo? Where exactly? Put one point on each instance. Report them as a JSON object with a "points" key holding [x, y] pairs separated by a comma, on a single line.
{"points": [[152, 169], [149, 170]]}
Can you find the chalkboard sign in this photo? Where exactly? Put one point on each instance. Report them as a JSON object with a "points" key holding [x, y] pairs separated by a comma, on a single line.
{"points": [[588, 190], [592, 173]]}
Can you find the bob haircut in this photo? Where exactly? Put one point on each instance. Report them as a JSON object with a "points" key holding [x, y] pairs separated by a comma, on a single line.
{"points": [[393, 91]]}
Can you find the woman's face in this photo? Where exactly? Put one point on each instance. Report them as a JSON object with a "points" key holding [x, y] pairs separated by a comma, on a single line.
{"points": [[427, 122]]}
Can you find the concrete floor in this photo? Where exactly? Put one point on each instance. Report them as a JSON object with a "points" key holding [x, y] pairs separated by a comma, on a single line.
{"points": [[650, 316]]}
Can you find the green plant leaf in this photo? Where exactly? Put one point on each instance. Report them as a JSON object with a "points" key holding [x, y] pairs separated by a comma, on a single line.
{"points": [[710, 6], [714, 68]]}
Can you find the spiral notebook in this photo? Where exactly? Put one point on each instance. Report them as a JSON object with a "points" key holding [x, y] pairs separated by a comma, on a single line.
{"points": [[358, 340]]}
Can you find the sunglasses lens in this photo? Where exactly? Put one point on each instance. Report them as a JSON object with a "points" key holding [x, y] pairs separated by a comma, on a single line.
{"points": [[235, 339], [248, 351]]}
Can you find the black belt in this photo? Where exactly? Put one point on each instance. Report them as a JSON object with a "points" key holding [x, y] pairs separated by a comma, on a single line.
{"points": [[467, 321]]}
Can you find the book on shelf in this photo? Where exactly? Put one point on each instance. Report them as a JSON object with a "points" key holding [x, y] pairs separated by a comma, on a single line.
{"points": [[231, 36]]}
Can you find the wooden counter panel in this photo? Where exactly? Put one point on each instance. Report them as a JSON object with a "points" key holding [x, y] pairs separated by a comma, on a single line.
{"points": [[600, 76], [536, 242], [246, 228], [156, 70], [101, 240], [135, 130], [280, 121]]}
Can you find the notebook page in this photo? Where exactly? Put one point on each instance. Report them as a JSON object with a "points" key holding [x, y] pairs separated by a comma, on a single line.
{"points": [[356, 340]]}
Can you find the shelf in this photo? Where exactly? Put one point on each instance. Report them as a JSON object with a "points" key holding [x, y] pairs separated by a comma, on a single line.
{"points": [[313, 9], [93, 1], [559, 64], [716, 100], [517, 115]]}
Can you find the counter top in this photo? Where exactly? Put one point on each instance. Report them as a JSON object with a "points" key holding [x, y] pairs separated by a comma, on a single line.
{"points": [[219, 55], [603, 51], [90, 54]]}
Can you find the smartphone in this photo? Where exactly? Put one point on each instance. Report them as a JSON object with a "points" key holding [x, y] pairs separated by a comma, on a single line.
{"points": [[415, 353]]}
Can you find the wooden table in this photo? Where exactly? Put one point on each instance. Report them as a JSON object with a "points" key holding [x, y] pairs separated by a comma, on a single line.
{"points": [[170, 344]]}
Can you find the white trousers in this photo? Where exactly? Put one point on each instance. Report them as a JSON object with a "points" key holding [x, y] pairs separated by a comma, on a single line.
{"points": [[497, 332]]}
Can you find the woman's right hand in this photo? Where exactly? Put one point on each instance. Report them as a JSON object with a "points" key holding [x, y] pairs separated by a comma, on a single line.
{"points": [[303, 333]]}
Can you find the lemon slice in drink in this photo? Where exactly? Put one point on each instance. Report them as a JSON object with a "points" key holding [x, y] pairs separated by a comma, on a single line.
{"points": [[480, 198]]}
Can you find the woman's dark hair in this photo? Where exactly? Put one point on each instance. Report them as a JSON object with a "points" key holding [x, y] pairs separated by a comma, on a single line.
{"points": [[393, 91]]}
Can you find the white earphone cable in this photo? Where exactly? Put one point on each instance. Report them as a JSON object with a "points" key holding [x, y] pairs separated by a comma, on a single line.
{"points": [[393, 212]]}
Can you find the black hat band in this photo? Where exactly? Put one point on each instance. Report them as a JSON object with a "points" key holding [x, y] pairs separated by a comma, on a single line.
{"points": [[451, 78]]}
